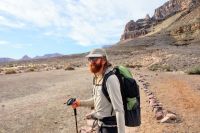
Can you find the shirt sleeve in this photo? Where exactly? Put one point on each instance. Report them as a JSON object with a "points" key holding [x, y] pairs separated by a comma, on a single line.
{"points": [[113, 87], [87, 103]]}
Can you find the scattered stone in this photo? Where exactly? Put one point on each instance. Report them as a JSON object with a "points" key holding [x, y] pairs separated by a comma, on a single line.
{"points": [[159, 115], [151, 96], [157, 108], [61, 127], [149, 93], [171, 116], [168, 118]]}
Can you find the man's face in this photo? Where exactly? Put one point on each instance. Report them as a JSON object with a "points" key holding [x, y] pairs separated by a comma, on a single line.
{"points": [[95, 64]]}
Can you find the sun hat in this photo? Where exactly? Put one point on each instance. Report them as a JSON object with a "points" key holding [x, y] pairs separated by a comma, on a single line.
{"points": [[99, 52]]}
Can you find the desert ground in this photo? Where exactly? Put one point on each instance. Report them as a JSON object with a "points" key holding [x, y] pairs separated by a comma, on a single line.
{"points": [[33, 92], [33, 102]]}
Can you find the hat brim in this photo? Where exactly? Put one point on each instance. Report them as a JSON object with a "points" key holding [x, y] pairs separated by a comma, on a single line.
{"points": [[94, 55]]}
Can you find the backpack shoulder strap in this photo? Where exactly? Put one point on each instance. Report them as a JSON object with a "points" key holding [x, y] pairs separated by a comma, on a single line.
{"points": [[104, 88]]}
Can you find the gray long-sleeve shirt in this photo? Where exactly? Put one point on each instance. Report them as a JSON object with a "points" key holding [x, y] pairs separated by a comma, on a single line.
{"points": [[102, 106]]}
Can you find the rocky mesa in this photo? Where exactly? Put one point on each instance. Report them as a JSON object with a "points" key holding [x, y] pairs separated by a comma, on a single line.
{"points": [[141, 27]]}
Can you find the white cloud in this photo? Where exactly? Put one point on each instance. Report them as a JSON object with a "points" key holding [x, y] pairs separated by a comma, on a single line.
{"points": [[103, 21], [20, 45], [9, 23], [88, 22], [37, 12], [8, 44], [2, 42]]}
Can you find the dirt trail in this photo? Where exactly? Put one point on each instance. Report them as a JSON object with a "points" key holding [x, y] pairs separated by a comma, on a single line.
{"points": [[180, 94], [42, 110]]}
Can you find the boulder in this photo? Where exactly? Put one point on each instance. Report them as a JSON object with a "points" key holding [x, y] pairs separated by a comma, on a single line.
{"points": [[159, 115], [168, 118]]}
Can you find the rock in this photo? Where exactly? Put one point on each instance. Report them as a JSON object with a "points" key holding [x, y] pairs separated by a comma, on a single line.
{"points": [[143, 26], [159, 115], [135, 29], [153, 104], [152, 101], [168, 118], [165, 119], [147, 17], [172, 7], [151, 96], [61, 127], [149, 93], [171, 116], [157, 108], [186, 29]]}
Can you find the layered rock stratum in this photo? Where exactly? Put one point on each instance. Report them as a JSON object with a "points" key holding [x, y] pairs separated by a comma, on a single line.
{"points": [[141, 27]]}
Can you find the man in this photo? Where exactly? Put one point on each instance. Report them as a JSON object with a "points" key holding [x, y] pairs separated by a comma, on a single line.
{"points": [[110, 115]]}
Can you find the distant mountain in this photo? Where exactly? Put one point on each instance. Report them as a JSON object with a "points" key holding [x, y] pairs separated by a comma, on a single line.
{"points": [[48, 56], [26, 57], [6, 60], [107, 46]]}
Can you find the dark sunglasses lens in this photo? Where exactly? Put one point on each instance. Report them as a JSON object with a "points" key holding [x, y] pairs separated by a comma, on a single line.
{"points": [[92, 59]]}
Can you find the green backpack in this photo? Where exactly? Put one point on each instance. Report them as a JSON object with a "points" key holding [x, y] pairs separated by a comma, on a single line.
{"points": [[130, 94]]}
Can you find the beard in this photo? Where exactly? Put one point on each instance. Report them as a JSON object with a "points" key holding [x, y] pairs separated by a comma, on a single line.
{"points": [[95, 68]]}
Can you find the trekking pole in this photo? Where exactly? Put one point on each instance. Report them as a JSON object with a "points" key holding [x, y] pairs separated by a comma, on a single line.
{"points": [[75, 113], [70, 102]]}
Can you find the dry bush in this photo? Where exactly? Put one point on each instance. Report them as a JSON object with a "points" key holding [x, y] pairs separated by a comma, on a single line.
{"points": [[58, 67], [10, 71], [133, 66], [31, 70], [69, 68], [10, 65], [195, 70], [156, 67]]}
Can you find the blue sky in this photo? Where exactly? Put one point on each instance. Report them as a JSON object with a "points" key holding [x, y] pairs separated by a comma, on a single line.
{"points": [[38, 27]]}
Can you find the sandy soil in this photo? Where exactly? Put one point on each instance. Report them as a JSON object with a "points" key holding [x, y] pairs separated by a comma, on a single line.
{"points": [[33, 102], [178, 93]]}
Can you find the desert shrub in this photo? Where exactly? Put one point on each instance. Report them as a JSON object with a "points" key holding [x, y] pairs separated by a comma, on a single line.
{"points": [[31, 69], [166, 68], [156, 67], [10, 65], [133, 66], [195, 70], [69, 68], [58, 67], [10, 71]]}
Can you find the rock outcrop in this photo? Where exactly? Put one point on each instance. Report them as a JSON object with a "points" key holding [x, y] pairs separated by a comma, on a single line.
{"points": [[172, 7], [136, 29], [143, 26], [186, 28]]}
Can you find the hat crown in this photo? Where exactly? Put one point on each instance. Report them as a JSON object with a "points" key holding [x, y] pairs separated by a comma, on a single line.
{"points": [[97, 53]]}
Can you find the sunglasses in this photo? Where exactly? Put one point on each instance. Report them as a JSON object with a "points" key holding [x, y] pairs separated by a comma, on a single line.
{"points": [[93, 59]]}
